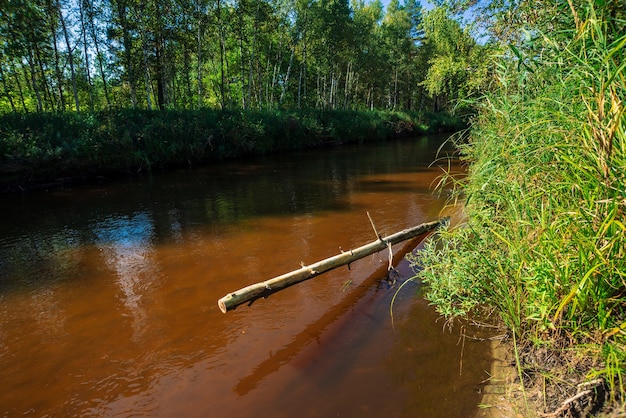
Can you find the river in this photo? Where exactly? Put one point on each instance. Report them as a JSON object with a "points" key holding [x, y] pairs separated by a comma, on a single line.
{"points": [[108, 294]]}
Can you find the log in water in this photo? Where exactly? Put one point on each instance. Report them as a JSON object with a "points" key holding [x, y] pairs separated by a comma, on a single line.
{"points": [[268, 287]]}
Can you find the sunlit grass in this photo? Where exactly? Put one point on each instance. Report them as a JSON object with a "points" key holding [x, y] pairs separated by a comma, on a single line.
{"points": [[545, 197]]}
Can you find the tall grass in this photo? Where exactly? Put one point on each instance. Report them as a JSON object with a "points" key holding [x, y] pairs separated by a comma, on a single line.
{"points": [[36, 147], [545, 199]]}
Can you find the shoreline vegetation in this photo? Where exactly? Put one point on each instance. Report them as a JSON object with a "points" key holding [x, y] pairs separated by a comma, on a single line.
{"points": [[52, 149], [543, 246]]}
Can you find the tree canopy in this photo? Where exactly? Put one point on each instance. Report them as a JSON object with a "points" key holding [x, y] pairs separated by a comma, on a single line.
{"points": [[62, 55]]}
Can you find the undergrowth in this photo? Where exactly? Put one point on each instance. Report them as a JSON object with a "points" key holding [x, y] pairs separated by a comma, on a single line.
{"points": [[544, 240], [43, 146]]}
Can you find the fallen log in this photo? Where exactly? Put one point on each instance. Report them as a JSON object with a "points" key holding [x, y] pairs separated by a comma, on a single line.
{"points": [[268, 287]]}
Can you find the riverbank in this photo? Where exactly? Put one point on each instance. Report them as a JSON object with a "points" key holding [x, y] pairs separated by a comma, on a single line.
{"points": [[544, 244], [505, 396], [44, 149], [501, 397]]}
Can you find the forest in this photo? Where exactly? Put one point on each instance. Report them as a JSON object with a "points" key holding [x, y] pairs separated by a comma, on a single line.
{"points": [[95, 88], [79, 55]]}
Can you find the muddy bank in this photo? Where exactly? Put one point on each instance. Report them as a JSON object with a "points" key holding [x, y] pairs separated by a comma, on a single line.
{"points": [[502, 398], [555, 384]]}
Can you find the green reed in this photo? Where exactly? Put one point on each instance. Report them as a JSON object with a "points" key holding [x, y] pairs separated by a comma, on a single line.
{"points": [[545, 199]]}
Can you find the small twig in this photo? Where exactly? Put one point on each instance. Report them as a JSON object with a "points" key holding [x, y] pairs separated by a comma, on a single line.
{"points": [[498, 337], [566, 404], [390, 267], [594, 383], [462, 337], [481, 324], [475, 338], [374, 226]]}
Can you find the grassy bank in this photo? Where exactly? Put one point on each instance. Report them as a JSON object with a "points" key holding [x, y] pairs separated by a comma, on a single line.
{"points": [[544, 244], [36, 148]]}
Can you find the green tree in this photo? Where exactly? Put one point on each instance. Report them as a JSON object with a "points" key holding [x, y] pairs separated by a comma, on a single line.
{"points": [[372, 56], [401, 28], [330, 54], [453, 58], [331, 47]]}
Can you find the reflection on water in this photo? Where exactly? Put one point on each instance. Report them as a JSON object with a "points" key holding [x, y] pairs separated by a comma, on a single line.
{"points": [[108, 294], [127, 250]]}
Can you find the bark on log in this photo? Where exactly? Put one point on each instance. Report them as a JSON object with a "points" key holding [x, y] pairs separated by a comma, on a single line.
{"points": [[268, 287]]}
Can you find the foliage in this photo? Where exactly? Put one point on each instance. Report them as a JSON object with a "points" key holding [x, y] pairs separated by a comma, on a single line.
{"points": [[43, 146], [545, 195], [61, 55], [456, 63]]}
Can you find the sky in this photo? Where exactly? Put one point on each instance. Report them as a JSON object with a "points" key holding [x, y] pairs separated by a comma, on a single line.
{"points": [[425, 4]]}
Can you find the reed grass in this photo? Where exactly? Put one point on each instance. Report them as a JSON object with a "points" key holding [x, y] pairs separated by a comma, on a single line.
{"points": [[545, 199]]}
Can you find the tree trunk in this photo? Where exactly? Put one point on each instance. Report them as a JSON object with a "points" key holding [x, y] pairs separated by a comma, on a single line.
{"points": [[46, 89], [188, 102], [83, 31], [163, 93], [302, 77], [57, 67], [345, 87], [242, 71], [19, 87], [33, 79], [220, 31], [144, 53], [285, 83], [395, 88], [96, 44], [268, 287], [7, 92], [146, 72], [70, 56], [160, 74], [199, 39], [270, 86], [128, 53]]}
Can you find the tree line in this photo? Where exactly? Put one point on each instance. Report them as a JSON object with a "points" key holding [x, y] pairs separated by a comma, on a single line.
{"points": [[76, 55]]}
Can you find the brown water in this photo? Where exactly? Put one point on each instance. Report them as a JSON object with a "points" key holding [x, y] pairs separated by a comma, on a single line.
{"points": [[108, 294]]}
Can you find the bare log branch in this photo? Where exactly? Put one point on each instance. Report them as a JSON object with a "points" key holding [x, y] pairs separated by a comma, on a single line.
{"points": [[374, 226], [268, 287]]}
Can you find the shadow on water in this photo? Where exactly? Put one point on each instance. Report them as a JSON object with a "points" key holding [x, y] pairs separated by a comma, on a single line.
{"points": [[108, 294], [314, 330]]}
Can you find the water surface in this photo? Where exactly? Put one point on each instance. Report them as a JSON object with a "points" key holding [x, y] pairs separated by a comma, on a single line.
{"points": [[108, 294]]}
